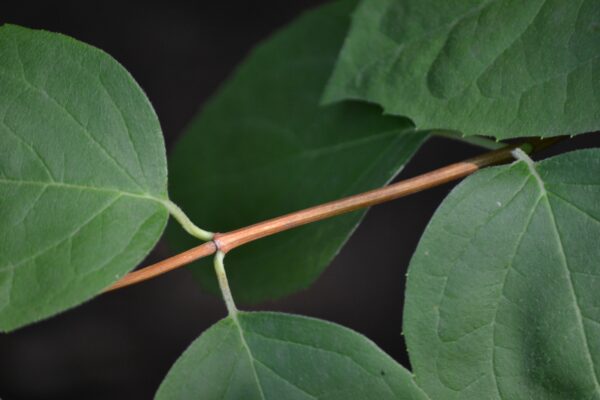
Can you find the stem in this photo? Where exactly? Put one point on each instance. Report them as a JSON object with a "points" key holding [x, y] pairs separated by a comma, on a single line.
{"points": [[228, 241], [185, 222], [224, 284], [165, 266]]}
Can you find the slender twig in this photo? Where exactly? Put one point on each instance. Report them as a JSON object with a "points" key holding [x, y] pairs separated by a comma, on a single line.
{"points": [[166, 265], [225, 242]]}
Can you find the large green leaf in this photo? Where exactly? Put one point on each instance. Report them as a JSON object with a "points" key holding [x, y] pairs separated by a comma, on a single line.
{"points": [[263, 147], [279, 356], [503, 68], [503, 290], [83, 174]]}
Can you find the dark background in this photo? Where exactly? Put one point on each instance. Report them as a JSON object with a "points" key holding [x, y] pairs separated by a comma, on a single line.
{"points": [[121, 345]]}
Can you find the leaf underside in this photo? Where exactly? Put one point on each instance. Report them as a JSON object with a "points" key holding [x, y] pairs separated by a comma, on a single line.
{"points": [[264, 147], [82, 174], [278, 356], [496, 67], [502, 294]]}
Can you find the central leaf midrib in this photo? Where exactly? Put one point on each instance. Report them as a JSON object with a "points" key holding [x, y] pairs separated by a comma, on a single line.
{"points": [[251, 358], [576, 305], [578, 315], [71, 186], [116, 193]]}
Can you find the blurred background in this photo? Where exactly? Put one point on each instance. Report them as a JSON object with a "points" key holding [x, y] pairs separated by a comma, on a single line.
{"points": [[121, 345]]}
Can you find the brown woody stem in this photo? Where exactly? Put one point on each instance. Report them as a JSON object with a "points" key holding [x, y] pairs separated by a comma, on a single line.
{"points": [[230, 240]]}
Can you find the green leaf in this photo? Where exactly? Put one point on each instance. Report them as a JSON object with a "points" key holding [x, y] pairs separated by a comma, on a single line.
{"points": [[83, 174], [279, 356], [502, 68], [502, 295], [264, 147]]}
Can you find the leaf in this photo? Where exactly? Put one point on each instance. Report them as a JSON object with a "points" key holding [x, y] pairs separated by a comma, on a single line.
{"points": [[264, 147], [278, 356], [83, 174], [496, 67], [502, 295]]}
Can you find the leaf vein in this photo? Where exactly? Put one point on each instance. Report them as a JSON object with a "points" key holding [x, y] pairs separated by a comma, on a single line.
{"points": [[576, 305], [70, 235], [32, 149], [126, 125], [285, 379], [83, 129]]}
